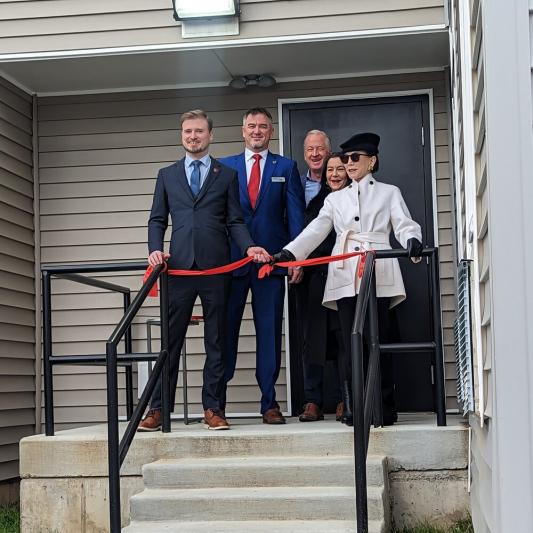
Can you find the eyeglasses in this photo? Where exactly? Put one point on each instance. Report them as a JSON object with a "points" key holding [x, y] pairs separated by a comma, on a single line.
{"points": [[354, 157]]}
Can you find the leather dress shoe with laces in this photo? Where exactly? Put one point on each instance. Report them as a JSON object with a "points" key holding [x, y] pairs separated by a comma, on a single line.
{"points": [[312, 413], [214, 419], [273, 416], [339, 411], [152, 421]]}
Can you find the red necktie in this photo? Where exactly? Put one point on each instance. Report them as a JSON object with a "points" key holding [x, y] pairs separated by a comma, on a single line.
{"points": [[255, 179]]}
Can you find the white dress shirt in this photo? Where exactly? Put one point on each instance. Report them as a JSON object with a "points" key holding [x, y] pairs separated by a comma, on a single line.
{"points": [[249, 158]]}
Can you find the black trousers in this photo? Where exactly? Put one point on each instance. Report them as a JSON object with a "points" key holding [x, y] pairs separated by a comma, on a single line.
{"points": [[213, 292], [346, 307]]}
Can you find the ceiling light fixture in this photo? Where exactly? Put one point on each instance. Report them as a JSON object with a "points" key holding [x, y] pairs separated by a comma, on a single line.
{"points": [[251, 80], [200, 9]]}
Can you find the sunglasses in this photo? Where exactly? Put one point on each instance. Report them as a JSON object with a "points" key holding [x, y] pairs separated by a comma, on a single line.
{"points": [[354, 157]]}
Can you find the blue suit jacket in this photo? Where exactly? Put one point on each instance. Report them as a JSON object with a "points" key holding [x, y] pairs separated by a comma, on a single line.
{"points": [[278, 216]]}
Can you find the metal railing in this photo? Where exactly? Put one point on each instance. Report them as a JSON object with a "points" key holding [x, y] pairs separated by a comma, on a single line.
{"points": [[117, 448], [367, 405]]}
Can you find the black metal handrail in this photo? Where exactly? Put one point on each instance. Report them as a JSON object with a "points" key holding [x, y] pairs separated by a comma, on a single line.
{"points": [[117, 449], [367, 396], [74, 273]]}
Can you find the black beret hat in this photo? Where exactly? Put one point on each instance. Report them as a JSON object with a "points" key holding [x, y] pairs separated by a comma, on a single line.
{"points": [[366, 142]]}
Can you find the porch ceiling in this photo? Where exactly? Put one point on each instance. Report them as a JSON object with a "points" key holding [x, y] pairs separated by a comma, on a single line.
{"points": [[216, 66]]}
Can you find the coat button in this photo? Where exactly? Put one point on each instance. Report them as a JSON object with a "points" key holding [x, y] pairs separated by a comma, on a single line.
{"points": [[371, 182], [359, 193], [357, 219], [356, 249]]}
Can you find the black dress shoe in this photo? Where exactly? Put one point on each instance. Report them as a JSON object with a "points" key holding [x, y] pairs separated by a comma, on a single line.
{"points": [[389, 418]]}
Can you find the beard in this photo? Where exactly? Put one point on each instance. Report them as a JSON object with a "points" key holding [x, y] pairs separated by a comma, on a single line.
{"points": [[195, 148], [258, 144]]}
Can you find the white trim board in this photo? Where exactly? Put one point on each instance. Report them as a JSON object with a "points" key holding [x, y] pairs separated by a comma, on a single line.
{"points": [[226, 43], [363, 96]]}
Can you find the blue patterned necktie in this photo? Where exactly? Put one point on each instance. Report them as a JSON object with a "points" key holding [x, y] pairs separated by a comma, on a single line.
{"points": [[195, 178]]}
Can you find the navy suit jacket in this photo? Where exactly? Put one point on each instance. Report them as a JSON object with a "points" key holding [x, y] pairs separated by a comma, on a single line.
{"points": [[201, 227], [278, 216]]}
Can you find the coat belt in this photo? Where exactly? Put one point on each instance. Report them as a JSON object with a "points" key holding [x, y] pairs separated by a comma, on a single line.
{"points": [[364, 238]]}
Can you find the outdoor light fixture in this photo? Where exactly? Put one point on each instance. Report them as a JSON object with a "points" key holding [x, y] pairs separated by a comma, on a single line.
{"points": [[249, 80], [202, 9]]}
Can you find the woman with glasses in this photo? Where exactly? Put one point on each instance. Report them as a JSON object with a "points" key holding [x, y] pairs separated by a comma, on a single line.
{"points": [[322, 337], [363, 215]]}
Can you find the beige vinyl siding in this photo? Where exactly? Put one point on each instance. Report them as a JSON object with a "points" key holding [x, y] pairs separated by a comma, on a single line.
{"points": [[17, 292], [32, 26], [99, 155]]}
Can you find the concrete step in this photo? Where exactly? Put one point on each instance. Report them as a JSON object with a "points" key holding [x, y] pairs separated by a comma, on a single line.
{"points": [[259, 472], [257, 503], [269, 526]]}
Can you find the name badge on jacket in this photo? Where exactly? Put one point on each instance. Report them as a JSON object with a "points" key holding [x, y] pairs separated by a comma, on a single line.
{"points": [[278, 179]]}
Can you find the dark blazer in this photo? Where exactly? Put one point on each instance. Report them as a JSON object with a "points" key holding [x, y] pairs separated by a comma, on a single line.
{"points": [[319, 323], [278, 216], [201, 227]]}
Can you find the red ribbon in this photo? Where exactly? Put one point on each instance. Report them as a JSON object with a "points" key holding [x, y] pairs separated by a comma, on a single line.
{"points": [[264, 271], [209, 272], [267, 268]]}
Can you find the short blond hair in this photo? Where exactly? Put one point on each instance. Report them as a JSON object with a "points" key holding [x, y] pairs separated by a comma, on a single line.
{"points": [[197, 113]]}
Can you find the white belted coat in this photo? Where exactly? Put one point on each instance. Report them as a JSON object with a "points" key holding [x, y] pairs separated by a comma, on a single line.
{"points": [[362, 215]]}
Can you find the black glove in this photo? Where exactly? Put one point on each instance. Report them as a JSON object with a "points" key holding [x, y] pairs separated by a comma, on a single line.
{"points": [[414, 248], [283, 256]]}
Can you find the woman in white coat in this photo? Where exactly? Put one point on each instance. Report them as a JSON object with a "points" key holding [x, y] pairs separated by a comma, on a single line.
{"points": [[363, 215]]}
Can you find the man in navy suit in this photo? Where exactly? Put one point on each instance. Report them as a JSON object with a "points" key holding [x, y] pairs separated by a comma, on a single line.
{"points": [[202, 198], [272, 200]]}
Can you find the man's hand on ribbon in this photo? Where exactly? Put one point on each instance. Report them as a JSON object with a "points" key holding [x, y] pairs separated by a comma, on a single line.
{"points": [[259, 254], [157, 258]]}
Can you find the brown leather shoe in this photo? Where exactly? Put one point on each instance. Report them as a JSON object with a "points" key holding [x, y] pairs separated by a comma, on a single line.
{"points": [[339, 411], [312, 413], [152, 421], [273, 416], [215, 419]]}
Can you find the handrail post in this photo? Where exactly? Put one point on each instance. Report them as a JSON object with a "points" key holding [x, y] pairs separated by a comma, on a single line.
{"points": [[128, 348], [440, 390], [165, 377], [47, 352], [373, 399], [359, 433], [113, 438]]}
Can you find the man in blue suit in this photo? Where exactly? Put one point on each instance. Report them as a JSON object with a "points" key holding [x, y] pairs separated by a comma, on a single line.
{"points": [[272, 200], [202, 198]]}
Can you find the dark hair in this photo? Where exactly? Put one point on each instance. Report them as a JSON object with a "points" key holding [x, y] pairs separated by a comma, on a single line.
{"points": [[197, 113], [257, 111], [323, 179]]}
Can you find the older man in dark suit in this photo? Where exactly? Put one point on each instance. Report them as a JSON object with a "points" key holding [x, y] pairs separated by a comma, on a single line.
{"points": [[202, 198]]}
